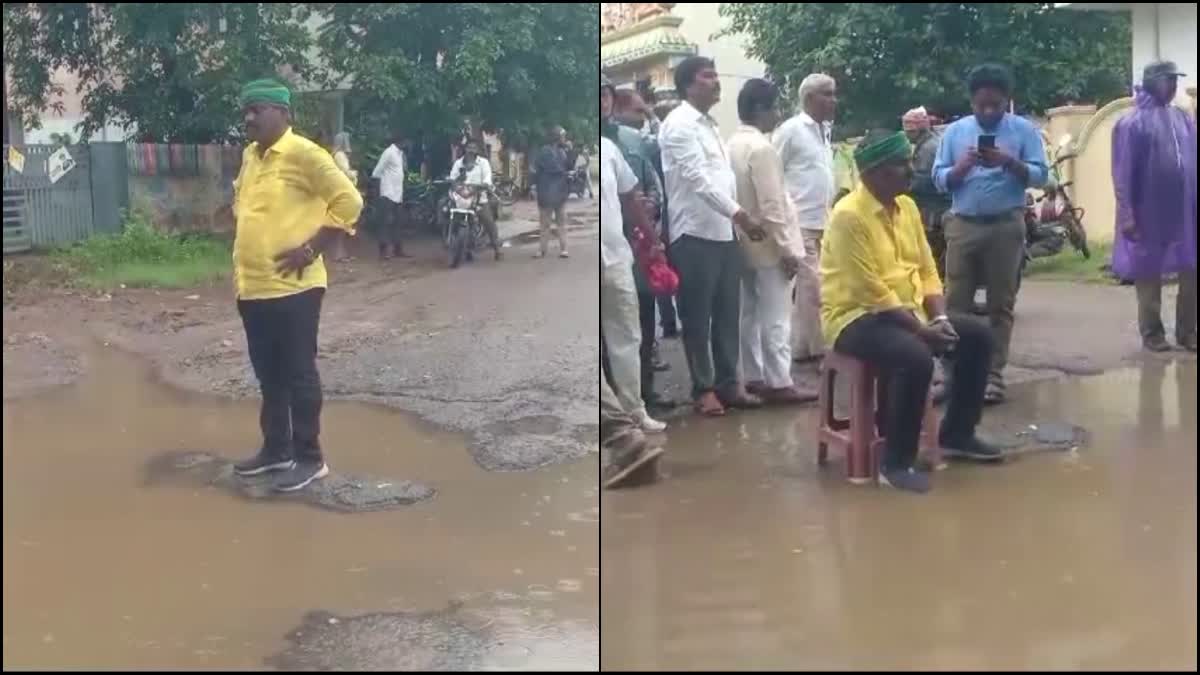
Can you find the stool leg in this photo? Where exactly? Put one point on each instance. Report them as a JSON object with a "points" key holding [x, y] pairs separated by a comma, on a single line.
{"points": [[826, 421], [860, 457]]}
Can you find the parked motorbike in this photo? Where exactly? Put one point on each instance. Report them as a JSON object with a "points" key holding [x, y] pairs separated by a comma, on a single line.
{"points": [[428, 204], [579, 183], [1052, 220]]}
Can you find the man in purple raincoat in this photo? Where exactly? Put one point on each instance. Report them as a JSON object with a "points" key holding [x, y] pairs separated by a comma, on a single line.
{"points": [[1154, 177]]}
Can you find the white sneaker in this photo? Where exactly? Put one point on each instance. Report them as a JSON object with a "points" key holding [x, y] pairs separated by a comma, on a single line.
{"points": [[648, 424]]}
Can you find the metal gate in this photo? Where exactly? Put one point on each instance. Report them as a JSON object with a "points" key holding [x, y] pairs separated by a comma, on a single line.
{"points": [[39, 213]]}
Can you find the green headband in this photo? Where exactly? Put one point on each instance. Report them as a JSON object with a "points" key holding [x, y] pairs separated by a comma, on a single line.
{"points": [[265, 91], [892, 148]]}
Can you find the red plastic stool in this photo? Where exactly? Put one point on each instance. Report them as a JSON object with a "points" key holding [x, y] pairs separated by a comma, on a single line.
{"points": [[856, 437]]}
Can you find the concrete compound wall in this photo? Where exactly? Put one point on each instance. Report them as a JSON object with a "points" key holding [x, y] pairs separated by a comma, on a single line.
{"points": [[184, 188]]}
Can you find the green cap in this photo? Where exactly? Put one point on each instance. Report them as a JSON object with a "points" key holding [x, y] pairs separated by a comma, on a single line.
{"points": [[265, 91]]}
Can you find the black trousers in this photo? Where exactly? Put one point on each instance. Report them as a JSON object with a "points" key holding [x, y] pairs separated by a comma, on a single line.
{"points": [[906, 366], [646, 306], [282, 336], [393, 219], [666, 308], [710, 296]]}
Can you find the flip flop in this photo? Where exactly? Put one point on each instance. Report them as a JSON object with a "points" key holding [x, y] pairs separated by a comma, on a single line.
{"points": [[709, 411]]}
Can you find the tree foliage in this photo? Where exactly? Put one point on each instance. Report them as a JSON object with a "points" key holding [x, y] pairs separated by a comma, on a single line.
{"points": [[889, 57], [425, 68], [170, 70]]}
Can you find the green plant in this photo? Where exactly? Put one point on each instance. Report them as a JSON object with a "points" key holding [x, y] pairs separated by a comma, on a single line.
{"points": [[141, 255]]}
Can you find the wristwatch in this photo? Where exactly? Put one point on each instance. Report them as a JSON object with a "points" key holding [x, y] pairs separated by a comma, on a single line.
{"points": [[940, 318]]}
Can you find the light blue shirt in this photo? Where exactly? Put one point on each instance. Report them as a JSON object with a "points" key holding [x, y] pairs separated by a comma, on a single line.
{"points": [[990, 192]]}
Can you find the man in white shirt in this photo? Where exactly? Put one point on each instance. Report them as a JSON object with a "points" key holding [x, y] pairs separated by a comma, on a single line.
{"points": [[390, 171], [805, 145], [703, 211], [618, 294], [473, 170], [774, 260]]}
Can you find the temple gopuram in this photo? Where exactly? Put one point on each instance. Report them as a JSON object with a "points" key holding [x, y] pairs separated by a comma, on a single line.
{"points": [[640, 45]]}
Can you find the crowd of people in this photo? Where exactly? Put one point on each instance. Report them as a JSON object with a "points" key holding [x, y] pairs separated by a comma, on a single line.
{"points": [[775, 268], [551, 167]]}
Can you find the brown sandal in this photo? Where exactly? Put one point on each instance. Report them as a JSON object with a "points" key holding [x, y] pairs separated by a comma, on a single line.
{"points": [[709, 405]]}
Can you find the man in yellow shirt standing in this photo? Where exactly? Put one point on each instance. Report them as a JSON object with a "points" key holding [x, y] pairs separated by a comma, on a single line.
{"points": [[292, 203], [882, 303]]}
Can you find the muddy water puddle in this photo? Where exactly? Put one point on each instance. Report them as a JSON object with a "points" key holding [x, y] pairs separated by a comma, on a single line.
{"points": [[103, 571], [750, 557]]}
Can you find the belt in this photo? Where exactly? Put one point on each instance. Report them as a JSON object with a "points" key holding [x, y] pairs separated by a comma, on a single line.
{"points": [[991, 218]]}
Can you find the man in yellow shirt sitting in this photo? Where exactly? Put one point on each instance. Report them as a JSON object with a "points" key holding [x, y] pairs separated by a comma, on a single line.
{"points": [[882, 303], [292, 203]]}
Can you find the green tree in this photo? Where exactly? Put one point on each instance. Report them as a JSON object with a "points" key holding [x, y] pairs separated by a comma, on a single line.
{"points": [[428, 68], [889, 57], [170, 70]]}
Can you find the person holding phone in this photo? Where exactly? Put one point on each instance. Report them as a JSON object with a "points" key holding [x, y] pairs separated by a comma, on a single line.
{"points": [[986, 162], [882, 303]]}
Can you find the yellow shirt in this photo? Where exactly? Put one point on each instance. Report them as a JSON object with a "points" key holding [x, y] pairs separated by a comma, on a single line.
{"points": [[874, 260], [281, 199]]}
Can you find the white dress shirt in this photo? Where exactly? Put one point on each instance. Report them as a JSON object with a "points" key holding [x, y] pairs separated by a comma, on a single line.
{"points": [[701, 186], [616, 179], [807, 153], [480, 174], [390, 172]]}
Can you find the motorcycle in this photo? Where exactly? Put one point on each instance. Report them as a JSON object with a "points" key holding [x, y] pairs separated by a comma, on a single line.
{"points": [[579, 182], [428, 204], [1052, 220], [464, 230]]}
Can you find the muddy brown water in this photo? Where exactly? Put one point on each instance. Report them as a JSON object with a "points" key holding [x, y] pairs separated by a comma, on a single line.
{"points": [[103, 572], [750, 557]]}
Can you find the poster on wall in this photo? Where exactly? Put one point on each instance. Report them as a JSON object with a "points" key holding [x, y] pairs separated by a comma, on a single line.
{"points": [[16, 160], [60, 163]]}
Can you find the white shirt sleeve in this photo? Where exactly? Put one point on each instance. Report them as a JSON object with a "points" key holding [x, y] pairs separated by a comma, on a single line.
{"points": [[626, 178], [485, 172], [782, 140], [382, 164], [687, 157]]}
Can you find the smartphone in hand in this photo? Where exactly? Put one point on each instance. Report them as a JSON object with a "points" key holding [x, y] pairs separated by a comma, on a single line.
{"points": [[987, 142]]}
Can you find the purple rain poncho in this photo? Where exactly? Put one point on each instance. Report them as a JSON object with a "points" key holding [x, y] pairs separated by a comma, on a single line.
{"points": [[1154, 177]]}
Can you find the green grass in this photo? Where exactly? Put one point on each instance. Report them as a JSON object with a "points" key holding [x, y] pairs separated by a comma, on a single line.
{"points": [[141, 256], [1069, 265]]}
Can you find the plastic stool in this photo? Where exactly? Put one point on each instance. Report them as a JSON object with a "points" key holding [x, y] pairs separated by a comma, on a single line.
{"points": [[857, 437]]}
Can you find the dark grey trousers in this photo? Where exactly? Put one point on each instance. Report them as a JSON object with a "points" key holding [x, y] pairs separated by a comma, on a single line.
{"points": [[1149, 295], [710, 277], [986, 253]]}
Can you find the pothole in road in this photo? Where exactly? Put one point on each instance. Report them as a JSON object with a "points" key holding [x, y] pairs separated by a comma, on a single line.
{"points": [[336, 492]]}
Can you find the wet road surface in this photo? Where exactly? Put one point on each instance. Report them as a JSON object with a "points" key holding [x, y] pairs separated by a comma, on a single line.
{"points": [[749, 556], [102, 571]]}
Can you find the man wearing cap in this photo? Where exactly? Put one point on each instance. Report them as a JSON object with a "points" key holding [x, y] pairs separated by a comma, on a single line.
{"points": [[292, 203], [882, 303], [933, 204], [1154, 178], [985, 162]]}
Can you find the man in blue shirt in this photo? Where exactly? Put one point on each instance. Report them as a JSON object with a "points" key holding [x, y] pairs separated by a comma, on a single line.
{"points": [[986, 162]]}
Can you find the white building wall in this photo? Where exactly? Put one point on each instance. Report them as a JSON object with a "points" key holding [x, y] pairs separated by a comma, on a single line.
{"points": [[1166, 30], [701, 20]]}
